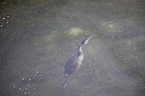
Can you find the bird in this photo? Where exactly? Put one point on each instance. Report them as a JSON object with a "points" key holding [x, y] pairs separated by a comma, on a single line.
{"points": [[74, 62]]}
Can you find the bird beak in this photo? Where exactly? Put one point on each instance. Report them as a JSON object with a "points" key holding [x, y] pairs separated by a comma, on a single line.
{"points": [[88, 39]]}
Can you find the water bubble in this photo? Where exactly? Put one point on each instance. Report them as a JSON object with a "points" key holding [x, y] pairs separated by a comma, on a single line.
{"points": [[23, 78], [7, 22], [14, 85], [30, 79], [28, 85], [20, 88], [25, 93], [1, 25], [4, 18], [37, 72], [34, 88], [8, 16]]}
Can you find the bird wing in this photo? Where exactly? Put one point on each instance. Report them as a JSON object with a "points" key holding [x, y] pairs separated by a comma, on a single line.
{"points": [[71, 65]]}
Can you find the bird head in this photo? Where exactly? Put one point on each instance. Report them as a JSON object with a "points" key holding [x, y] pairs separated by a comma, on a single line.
{"points": [[85, 41]]}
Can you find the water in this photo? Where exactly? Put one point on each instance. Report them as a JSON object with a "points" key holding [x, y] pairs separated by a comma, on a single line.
{"points": [[38, 36]]}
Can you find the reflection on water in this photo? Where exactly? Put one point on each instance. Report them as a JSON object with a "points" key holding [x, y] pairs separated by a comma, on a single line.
{"points": [[38, 36]]}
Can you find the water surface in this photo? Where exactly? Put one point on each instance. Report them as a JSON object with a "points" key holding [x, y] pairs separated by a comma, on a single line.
{"points": [[38, 36]]}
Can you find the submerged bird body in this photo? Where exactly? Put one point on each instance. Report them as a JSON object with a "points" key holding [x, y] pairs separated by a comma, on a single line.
{"points": [[74, 62]]}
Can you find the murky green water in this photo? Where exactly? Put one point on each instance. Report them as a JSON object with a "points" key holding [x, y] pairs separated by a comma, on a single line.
{"points": [[38, 36]]}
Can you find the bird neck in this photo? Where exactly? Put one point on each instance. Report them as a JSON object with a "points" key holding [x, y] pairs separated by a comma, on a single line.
{"points": [[80, 51]]}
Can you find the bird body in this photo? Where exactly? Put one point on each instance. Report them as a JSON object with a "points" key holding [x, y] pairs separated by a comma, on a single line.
{"points": [[74, 62]]}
